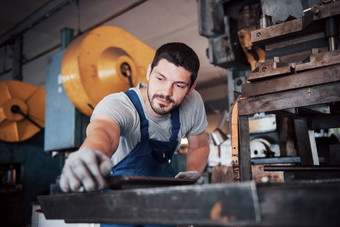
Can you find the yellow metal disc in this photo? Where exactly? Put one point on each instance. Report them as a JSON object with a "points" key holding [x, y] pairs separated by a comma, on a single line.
{"points": [[91, 66], [14, 127]]}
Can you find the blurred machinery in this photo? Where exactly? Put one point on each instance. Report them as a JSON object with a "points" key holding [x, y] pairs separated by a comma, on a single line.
{"points": [[22, 159], [108, 59], [22, 110]]}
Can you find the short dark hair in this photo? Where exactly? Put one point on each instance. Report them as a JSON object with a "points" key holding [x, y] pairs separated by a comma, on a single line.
{"points": [[178, 54]]}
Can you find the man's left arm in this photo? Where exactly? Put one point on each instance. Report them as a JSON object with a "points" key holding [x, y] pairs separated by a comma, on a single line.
{"points": [[198, 152], [198, 145], [197, 156]]}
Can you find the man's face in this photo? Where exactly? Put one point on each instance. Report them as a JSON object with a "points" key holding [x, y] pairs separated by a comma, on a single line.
{"points": [[168, 85]]}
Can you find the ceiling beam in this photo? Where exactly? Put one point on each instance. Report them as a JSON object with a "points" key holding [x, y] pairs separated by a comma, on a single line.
{"points": [[28, 23]]}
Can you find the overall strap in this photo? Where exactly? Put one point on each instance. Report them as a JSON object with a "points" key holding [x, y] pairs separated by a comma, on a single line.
{"points": [[175, 124], [144, 124]]}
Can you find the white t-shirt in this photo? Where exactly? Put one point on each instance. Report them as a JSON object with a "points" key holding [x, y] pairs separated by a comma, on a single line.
{"points": [[119, 107]]}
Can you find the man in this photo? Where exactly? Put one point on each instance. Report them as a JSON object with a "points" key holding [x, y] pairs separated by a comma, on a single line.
{"points": [[141, 128]]}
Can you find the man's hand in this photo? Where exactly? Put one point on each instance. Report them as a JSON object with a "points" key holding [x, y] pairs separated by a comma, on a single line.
{"points": [[191, 175], [85, 169]]}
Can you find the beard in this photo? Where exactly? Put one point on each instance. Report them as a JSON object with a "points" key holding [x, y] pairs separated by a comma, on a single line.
{"points": [[160, 108]]}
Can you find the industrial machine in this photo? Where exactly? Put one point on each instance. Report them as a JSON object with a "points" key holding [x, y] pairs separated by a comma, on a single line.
{"points": [[106, 60], [299, 80], [278, 55]]}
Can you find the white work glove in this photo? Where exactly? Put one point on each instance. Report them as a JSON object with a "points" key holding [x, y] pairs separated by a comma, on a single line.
{"points": [[191, 175], [85, 169]]}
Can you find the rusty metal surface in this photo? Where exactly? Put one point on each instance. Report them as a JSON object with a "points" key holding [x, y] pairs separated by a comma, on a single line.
{"points": [[327, 10], [319, 94], [308, 203], [269, 69], [274, 67], [206, 205], [292, 81], [317, 60], [277, 30], [293, 27]]}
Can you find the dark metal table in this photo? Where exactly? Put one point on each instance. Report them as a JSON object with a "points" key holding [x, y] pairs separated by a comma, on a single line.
{"points": [[247, 204]]}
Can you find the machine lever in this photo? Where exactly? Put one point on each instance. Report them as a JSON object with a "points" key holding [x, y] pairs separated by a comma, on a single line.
{"points": [[126, 71], [16, 109]]}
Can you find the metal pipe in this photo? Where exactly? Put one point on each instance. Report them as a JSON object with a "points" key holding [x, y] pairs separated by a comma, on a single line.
{"points": [[35, 18], [41, 54], [5, 54], [66, 37], [263, 21], [331, 33], [332, 45], [133, 5], [17, 58]]}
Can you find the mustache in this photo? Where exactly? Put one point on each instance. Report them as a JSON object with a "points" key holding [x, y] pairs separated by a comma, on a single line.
{"points": [[167, 98]]}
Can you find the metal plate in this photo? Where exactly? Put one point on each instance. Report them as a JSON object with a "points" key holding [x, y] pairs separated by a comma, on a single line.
{"points": [[218, 204], [132, 182]]}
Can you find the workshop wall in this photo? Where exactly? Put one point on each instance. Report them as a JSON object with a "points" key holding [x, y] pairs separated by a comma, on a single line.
{"points": [[38, 171]]}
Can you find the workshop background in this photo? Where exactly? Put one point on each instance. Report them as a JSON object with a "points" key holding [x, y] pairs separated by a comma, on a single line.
{"points": [[257, 112]]}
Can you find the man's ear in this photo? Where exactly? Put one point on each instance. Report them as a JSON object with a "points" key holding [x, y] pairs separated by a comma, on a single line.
{"points": [[192, 88], [148, 72]]}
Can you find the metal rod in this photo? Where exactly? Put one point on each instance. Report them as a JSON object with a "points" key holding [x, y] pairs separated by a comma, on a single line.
{"points": [[331, 32], [302, 168], [16, 109], [278, 160], [78, 17], [332, 43]]}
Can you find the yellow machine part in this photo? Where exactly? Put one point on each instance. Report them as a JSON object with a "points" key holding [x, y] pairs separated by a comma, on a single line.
{"points": [[14, 127], [254, 54], [91, 66]]}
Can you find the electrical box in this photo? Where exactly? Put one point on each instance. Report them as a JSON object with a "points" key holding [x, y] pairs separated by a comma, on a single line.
{"points": [[65, 126]]}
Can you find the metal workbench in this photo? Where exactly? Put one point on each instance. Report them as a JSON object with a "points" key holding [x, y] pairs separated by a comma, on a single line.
{"points": [[246, 204]]}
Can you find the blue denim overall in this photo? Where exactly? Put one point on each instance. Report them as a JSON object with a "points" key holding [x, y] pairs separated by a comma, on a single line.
{"points": [[149, 157]]}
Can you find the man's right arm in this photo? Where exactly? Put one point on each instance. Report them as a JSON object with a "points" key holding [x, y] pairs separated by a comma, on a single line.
{"points": [[102, 135], [88, 166]]}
